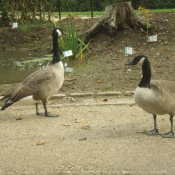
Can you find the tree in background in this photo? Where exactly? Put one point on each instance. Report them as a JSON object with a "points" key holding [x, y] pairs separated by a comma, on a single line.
{"points": [[81, 5], [32, 10], [24, 11]]}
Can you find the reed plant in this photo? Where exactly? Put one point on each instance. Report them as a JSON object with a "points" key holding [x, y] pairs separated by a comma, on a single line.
{"points": [[72, 41], [146, 13]]}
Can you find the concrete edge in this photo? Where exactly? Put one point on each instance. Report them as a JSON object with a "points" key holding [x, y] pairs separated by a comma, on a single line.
{"points": [[79, 104], [108, 93]]}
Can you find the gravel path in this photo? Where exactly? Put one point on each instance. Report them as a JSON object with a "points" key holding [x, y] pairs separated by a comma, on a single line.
{"points": [[91, 136]]}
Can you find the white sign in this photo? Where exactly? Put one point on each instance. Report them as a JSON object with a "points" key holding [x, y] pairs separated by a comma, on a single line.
{"points": [[128, 50], [152, 38], [68, 69], [68, 53], [14, 25]]}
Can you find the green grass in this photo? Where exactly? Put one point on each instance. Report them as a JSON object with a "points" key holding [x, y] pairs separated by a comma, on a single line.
{"points": [[132, 78], [98, 13], [101, 12], [8, 32], [156, 11], [79, 13], [87, 66], [108, 86], [160, 10], [29, 27]]}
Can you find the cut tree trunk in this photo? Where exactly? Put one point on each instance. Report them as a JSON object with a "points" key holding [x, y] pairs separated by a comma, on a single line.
{"points": [[118, 16]]}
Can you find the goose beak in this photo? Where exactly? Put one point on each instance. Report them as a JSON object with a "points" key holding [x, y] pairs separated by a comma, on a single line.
{"points": [[129, 63], [64, 33]]}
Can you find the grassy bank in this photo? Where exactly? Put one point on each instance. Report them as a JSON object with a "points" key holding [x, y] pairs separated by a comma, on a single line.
{"points": [[97, 13]]}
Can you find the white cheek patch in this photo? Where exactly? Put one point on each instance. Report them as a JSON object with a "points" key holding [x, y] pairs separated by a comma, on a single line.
{"points": [[141, 61], [59, 32]]}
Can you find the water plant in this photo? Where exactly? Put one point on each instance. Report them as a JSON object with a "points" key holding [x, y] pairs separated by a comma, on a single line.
{"points": [[72, 41]]}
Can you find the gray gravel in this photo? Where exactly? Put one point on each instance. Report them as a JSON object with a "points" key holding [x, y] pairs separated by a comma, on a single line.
{"points": [[91, 136]]}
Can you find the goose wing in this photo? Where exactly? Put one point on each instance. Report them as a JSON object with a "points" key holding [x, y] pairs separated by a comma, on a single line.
{"points": [[163, 97], [163, 86], [32, 84]]}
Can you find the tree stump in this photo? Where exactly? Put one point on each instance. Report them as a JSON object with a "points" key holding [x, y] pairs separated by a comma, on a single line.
{"points": [[118, 16]]}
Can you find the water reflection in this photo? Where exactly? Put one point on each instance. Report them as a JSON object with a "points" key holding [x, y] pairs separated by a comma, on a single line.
{"points": [[10, 72]]}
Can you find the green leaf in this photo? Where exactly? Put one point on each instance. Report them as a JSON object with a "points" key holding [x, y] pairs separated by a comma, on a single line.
{"points": [[72, 42]]}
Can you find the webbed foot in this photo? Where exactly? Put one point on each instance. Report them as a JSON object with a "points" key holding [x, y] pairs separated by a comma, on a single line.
{"points": [[168, 135], [152, 132], [51, 115], [46, 113], [40, 113]]}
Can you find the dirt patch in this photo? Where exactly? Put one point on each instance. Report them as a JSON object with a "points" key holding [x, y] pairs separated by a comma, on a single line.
{"points": [[16, 39], [103, 69]]}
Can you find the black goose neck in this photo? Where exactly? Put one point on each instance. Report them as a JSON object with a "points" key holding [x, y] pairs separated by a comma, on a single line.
{"points": [[56, 56], [146, 74]]}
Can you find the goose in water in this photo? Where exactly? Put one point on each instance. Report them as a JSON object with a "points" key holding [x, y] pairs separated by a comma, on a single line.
{"points": [[40, 85], [156, 97]]}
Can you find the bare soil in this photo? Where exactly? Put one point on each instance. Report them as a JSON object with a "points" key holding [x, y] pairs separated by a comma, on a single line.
{"points": [[103, 69]]}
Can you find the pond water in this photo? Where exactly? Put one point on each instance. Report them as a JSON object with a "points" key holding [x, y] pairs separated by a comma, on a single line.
{"points": [[10, 72]]}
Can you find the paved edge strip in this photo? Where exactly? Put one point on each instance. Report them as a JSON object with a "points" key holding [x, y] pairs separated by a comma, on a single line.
{"points": [[109, 93], [79, 104]]}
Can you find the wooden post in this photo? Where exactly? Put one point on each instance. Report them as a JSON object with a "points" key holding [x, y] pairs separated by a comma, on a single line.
{"points": [[59, 10], [91, 9]]}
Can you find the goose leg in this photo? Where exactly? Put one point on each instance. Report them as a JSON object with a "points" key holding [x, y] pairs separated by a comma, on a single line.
{"points": [[155, 130], [171, 133], [37, 111], [47, 114]]}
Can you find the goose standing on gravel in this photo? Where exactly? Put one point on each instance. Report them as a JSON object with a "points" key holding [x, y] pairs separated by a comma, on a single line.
{"points": [[42, 84], [156, 96]]}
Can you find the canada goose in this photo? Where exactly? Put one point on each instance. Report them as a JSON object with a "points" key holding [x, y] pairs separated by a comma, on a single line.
{"points": [[42, 84], [156, 96]]}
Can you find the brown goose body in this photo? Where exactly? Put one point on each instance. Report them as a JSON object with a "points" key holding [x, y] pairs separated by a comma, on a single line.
{"points": [[40, 85]]}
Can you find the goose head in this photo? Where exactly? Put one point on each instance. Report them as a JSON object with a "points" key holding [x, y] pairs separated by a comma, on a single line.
{"points": [[143, 61], [58, 32], [138, 60]]}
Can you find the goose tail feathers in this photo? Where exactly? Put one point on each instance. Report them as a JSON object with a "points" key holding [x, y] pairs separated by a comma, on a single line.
{"points": [[8, 102], [6, 105]]}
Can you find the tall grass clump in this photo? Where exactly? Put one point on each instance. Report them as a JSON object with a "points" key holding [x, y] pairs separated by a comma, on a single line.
{"points": [[146, 13], [73, 42]]}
